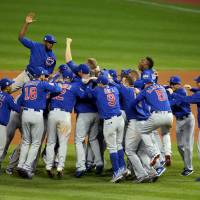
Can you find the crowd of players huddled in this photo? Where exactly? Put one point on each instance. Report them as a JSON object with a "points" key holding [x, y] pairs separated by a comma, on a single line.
{"points": [[119, 112]]}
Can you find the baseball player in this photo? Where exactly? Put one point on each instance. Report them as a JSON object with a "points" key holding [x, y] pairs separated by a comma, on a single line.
{"points": [[185, 123], [41, 54], [6, 105], [107, 100], [33, 99], [156, 97], [59, 121], [87, 122]]}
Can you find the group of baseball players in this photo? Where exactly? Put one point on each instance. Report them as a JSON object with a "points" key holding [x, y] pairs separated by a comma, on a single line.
{"points": [[122, 113]]}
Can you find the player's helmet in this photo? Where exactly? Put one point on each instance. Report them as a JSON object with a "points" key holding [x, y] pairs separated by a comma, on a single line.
{"points": [[49, 38], [5, 82], [103, 80]]}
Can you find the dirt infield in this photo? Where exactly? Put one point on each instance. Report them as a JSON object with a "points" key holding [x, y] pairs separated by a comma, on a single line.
{"points": [[191, 2], [186, 76]]}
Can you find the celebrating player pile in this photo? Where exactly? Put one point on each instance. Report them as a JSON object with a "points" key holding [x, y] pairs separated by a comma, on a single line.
{"points": [[122, 113]]}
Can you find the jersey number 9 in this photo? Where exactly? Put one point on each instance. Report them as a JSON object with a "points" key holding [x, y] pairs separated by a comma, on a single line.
{"points": [[111, 99]]}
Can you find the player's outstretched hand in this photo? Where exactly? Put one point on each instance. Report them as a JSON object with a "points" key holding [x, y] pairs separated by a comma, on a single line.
{"points": [[170, 90], [68, 41], [187, 87], [137, 91], [30, 18]]}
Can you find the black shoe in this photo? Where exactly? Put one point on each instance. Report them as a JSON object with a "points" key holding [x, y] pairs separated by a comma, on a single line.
{"points": [[50, 173], [198, 179], [79, 174], [60, 174], [30, 174], [89, 168], [99, 169], [22, 172], [187, 172]]}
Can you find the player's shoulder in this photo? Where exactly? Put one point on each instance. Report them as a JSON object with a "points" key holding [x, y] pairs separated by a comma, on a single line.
{"points": [[181, 90]]}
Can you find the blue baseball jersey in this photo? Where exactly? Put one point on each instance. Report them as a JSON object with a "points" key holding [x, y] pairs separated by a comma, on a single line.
{"points": [[73, 66], [6, 105], [39, 56], [194, 99], [179, 109], [84, 105], [67, 98], [34, 94], [155, 96], [107, 101]]}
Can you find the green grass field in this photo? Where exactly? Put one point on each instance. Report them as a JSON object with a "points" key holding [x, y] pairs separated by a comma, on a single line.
{"points": [[116, 32], [170, 186]]}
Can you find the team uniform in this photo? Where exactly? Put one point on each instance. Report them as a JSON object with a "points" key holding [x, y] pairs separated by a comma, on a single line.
{"points": [[39, 57], [6, 105], [59, 122], [161, 116], [107, 100], [33, 99]]}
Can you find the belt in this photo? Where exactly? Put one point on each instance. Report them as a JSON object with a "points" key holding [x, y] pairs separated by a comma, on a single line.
{"points": [[162, 111], [58, 109], [112, 116], [29, 74], [33, 109], [183, 117]]}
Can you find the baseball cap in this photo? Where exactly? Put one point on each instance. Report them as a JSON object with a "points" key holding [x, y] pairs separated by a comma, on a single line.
{"points": [[49, 38], [197, 79], [63, 67], [125, 71], [67, 74], [175, 80], [6, 82], [103, 79], [84, 69], [113, 73], [40, 71]]}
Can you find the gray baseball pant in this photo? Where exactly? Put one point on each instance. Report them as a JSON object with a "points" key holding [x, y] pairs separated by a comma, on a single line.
{"points": [[59, 125], [2, 139], [185, 139], [87, 124]]}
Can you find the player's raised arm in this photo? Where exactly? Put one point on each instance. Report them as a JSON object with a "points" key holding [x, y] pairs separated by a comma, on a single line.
{"points": [[29, 19], [68, 55]]}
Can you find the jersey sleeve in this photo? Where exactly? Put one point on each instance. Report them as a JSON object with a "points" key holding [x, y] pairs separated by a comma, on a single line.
{"points": [[27, 42], [140, 97], [51, 87], [73, 66], [195, 98], [13, 105]]}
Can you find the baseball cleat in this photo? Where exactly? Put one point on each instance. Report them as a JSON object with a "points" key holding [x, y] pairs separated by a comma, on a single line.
{"points": [[154, 160], [160, 170], [117, 177], [79, 174], [187, 172], [168, 160], [9, 171], [99, 169], [145, 179], [89, 168], [198, 179], [50, 173], [22, 172], [125, 172], [60, 174]]}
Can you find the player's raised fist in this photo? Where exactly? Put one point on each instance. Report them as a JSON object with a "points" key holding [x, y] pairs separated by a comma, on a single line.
{"points": [[30, 18], [187, 87], [68, 40]]}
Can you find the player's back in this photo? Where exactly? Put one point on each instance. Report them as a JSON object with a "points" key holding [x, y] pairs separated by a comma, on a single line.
{"points": [[156, 97]]}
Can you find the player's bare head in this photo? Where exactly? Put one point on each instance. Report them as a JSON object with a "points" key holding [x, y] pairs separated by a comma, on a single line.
{"points": [[92, 63], [127, 81], [49, 41], [145, 63], [134, 74]]}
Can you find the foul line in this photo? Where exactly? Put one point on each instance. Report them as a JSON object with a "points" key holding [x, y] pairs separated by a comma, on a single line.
{"points": [[166, 6]]}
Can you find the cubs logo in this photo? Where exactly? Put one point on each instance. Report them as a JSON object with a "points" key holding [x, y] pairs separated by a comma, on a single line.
{"points": [[49, 61]]}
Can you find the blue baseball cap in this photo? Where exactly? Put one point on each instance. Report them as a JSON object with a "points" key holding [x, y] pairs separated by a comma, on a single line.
{"points": [[103, 79], [40, 71], [125, 71], [197, 79], [175, 80], [83, 68], [63, 67], [67, 74], [49, 38], [6, 82], [113, 73]]}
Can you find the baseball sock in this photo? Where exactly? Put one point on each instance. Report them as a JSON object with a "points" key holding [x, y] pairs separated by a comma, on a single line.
{"points": [[121, 160], [115, 161]]}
